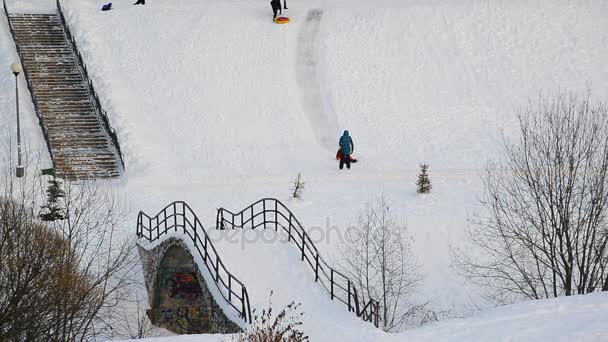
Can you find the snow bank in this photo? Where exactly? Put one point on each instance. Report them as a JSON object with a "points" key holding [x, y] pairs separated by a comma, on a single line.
{"points": [[579, 318]]}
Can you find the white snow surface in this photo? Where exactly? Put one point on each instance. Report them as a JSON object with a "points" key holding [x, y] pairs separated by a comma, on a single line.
{"points": [[565, 319], [217, 106]]}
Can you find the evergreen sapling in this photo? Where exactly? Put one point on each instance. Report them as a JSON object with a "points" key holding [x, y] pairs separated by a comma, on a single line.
{"points": [[423, 184]]}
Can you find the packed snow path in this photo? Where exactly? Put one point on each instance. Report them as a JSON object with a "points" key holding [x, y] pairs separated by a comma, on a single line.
{"points": [[322, 119], [80, 145]]}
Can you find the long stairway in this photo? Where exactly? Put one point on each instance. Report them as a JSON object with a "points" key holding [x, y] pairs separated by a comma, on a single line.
{"points": [[80, 144]]}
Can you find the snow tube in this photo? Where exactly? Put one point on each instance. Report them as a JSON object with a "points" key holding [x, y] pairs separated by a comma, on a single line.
{"points": [[281, 20]]}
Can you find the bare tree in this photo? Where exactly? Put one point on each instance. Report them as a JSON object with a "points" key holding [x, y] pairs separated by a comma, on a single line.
{"points": [[297, 186], [131, 320], [378, 258], [544, 232], [60, 280]]}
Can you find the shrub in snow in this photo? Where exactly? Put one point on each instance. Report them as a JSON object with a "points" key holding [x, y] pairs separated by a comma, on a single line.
{"points": [[297, 186], [268, 327], [423, 184], [543, 232]]}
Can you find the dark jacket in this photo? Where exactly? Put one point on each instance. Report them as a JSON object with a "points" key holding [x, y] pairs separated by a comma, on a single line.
{"points": [[346, 144], [276, 5]]}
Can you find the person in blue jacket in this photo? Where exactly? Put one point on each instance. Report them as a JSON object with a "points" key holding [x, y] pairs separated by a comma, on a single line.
{"points": [[346, 147]]}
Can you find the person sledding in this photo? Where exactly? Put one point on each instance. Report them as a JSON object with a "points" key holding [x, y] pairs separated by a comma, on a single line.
{"points": [[347, 147], [276, 8]]}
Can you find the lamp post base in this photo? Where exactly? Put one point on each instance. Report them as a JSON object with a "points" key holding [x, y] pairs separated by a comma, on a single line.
{"points": [[20, 171]]}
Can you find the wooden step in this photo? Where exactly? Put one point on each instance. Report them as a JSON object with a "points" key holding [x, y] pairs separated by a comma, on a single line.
{"points": [[81, 148]]}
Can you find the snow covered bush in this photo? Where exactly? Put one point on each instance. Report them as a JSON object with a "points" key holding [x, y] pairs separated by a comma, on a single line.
{"points": [[544, 229], [378, 258], [268, 327]]}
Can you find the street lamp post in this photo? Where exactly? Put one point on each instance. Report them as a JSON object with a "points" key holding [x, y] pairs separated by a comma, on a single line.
{"points": [[16, 68]]}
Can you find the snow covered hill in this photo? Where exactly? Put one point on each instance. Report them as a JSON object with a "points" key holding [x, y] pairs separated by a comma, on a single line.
{"points": [[217, 106], [580, 318]]}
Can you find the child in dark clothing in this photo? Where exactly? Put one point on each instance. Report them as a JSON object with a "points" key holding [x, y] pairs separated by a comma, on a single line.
{"points": [[276, 8]]}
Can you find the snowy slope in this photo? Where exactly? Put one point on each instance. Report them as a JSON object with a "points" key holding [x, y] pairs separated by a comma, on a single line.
{"points": [[213, 106], [565, 319], [217, 106]]}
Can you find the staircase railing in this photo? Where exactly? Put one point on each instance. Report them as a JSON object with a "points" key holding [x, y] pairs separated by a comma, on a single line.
{"points": [[45, 131], [270, 213], [178, 216], [102, 114]]}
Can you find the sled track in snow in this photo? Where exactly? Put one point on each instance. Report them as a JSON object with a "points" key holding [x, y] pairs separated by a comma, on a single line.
{"points": [[307, 77]]}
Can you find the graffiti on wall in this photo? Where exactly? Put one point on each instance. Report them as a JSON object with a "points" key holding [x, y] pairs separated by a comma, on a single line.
{"points": [[180, 283], [190, 318], [181, 305]]}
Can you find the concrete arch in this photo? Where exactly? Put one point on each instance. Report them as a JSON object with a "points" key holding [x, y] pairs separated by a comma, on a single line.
{"points": [[177, 293]]}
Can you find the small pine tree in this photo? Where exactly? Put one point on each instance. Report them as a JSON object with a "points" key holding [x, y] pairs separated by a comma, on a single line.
{"points": [[52, 211], [423, 183], [297, 186]]}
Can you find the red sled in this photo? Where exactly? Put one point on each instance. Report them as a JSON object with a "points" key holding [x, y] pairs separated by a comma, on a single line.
{"points": [[339, 156]]}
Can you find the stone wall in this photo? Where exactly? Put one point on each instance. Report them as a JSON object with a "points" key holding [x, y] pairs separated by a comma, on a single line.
{"points": [[178, 296]]}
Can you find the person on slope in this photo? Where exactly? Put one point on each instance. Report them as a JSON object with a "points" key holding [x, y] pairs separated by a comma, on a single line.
{"points": [[140, 2], [276, 8], [346, 147]]}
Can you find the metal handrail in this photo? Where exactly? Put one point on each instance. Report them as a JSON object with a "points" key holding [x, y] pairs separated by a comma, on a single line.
{"points": [[271, 213], [101, 113], [171, 218]]}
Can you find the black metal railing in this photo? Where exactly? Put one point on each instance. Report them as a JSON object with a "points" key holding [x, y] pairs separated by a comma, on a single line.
{"points": [[45, 131], [101, 114], [179, 217], [270, 213]]}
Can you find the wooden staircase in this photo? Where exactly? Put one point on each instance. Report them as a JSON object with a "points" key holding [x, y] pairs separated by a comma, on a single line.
{"points": [[80, 145]]}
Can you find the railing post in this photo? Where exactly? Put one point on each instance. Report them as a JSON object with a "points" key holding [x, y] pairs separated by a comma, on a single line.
{"points": [[264, 212], [290, 224], [317, 268], [276, 217], [243, 302], [357, 311], [303, 243], [217, 268], [348, 280], [157, 227], [195, 230], [175, 216], [205, 249], [332, 284], [230, 288], [252, 223]]}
